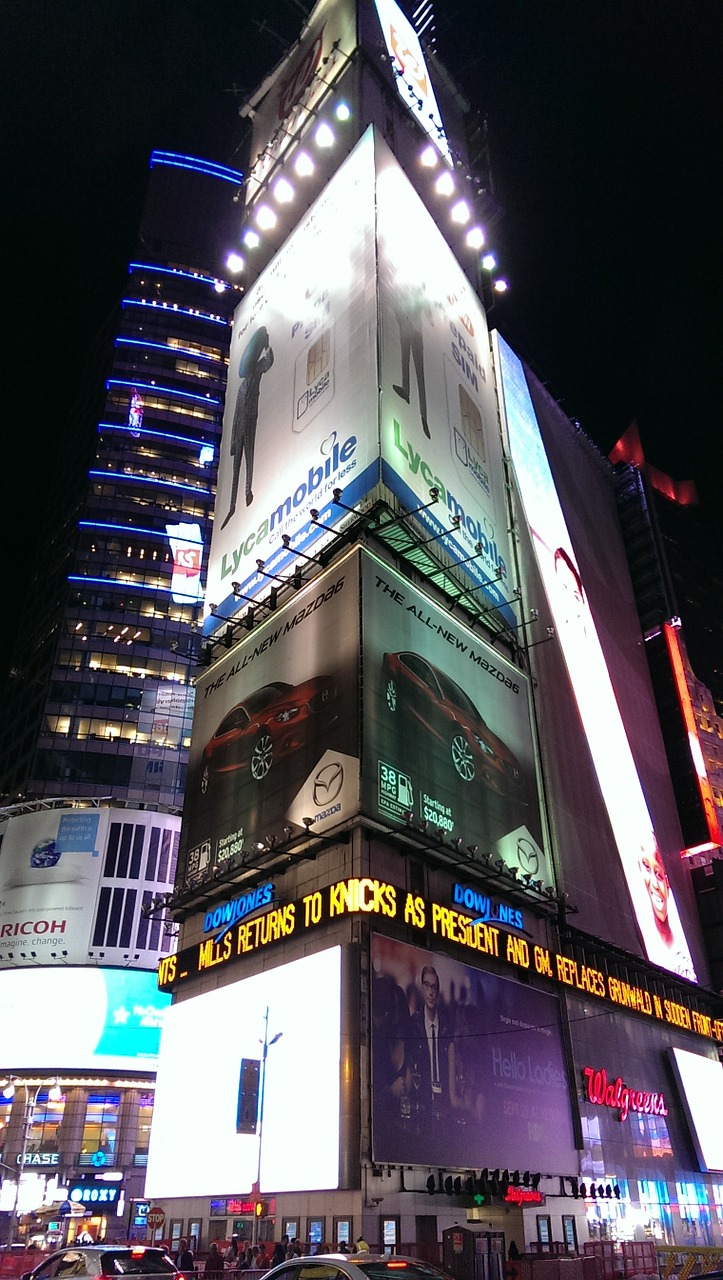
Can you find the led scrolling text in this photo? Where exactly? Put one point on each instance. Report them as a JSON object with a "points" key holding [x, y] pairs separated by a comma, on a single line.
{"points": [[378, 898]]}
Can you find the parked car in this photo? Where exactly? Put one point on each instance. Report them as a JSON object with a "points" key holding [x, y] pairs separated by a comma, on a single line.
{"points": [[98, 1260], [355, 1266], [442, 708], [268, 725]]}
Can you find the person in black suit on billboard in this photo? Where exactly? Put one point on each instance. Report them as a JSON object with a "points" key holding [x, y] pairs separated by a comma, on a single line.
{"points": [[256, 360], [433, 1049]]}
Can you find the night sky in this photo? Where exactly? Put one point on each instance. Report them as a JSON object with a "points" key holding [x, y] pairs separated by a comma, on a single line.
{"points": [[604, 121]]}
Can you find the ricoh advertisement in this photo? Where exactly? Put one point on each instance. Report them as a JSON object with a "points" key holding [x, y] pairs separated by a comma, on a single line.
{"points": [[72, 883], [641, 857], [301, 401], [448, 738], [468, 1068], [275, 733], [50, 870], [439, 418]]}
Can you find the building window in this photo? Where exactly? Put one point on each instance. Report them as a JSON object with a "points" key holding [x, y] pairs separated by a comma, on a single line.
{"points": [[143, 1128], [101, 1128], [43, 1132]]}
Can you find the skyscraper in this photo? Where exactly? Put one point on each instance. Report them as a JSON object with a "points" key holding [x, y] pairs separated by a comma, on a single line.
{"points": [[99, 700]]}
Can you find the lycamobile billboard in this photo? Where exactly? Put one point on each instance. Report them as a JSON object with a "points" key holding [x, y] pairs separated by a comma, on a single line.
{"points": [[301, 401], [303, 407]]}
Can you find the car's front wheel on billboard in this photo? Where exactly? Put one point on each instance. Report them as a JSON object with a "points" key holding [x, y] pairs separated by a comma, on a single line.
{"points": [[205, 780], [462, 757], [262, 756], [390, 694]]}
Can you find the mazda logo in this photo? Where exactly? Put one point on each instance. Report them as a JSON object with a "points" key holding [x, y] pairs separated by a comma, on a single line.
{"points": [[328, 783]]}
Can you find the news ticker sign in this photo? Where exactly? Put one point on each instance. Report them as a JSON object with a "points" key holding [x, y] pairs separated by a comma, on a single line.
{"points": [[382, 901]]}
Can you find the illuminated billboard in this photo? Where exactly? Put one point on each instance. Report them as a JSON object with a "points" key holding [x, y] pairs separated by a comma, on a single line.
{"points": [[301, 400], [83, 1019], [296, 87], [468, 1068], [439, 417], [700, 1082], [576, 629], [275, 733], [448, 735], [72, 886], [300, 1151], [411, 74]]}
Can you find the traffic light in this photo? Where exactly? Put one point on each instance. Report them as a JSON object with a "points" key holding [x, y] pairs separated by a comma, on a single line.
{"points": [[260, 1208]]}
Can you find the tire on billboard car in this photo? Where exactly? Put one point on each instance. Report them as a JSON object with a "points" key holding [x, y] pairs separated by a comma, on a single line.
{"points": [[391, 696], [262, 756], [462, 757]]}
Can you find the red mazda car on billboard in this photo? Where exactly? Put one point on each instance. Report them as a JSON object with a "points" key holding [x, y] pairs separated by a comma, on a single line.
{"points": [[413, 685], [268, 725]]}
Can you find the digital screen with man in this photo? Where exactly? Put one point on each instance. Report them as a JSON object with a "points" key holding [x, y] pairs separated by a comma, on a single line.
{"points": [[653, 901]]}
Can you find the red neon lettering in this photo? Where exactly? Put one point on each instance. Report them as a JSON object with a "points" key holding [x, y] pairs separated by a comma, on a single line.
{"points": [[616, 1094]]}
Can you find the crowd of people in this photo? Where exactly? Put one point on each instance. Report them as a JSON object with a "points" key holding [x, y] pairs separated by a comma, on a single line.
{"points": [[239, 1255]]}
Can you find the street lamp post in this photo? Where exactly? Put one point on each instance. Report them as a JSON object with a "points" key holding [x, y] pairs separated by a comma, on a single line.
{"points": [[30, 1103], [265, 1048]]}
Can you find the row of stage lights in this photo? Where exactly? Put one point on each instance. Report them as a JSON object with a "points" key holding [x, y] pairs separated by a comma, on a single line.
{"points": [[280, 191], [486, 1183]]}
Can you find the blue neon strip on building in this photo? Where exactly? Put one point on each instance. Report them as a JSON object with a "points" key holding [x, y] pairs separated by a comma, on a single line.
{"points": [[130, 528], [160, 435], [150, 480], [157, 390], [176, 271], [165, 346], [119, 582], [174, 310], [200, 166]]}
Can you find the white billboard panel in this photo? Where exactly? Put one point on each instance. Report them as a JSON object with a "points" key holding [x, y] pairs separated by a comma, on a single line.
{"points": [[410, 73], [439, 416], [700, 1081], [73, 883], [213, 1033], [320, 55], [83, 1019], [651, 894], [301, 402]]}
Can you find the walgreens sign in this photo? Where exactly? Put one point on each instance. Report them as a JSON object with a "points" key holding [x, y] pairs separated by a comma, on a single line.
{"points": [[604, 1092]]}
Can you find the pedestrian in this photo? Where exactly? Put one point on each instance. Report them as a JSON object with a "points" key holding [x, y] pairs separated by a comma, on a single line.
{"points": [[184, 1258], [262, 1261], [361, 1245], [279, 1254], [214, 1262]]}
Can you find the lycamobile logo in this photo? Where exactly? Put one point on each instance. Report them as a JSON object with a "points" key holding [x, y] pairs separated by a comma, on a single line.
{"points": [[333, 457], [419, 466]]}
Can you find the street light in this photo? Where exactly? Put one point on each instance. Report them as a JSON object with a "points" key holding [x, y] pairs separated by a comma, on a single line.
{"points": [[31, 1101], [265, 1048]]}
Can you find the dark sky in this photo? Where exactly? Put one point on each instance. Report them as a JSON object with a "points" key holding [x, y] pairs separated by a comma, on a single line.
{"points": [[605, 129]]}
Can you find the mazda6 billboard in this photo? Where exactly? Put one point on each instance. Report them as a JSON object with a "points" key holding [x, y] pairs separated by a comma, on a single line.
{"points": [[448, 738], [275, 731], [468, 1068]]}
